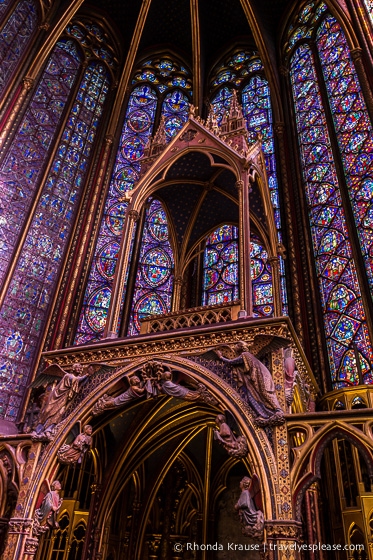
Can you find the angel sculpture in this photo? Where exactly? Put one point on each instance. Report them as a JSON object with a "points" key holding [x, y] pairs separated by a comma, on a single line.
{"points": [[48, 506], [158, 380], [252, 374], [58, 398], [249, 507], [135, 391], [234, 446], [74, 453]]}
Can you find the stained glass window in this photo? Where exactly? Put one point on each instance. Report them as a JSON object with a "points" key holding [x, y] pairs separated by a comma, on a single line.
{"points": [[175, 110], [14, 38], [344, 319], [256, 107], [152, 84], [24, 312], [4, 5], [261, 279], [221, 273], [353, 128], [369, 7], [154, 279], [220, 266], [22, 165]]}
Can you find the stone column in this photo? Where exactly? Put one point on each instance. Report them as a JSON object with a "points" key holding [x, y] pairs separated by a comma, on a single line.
{"points": [[244, 246], [276, 287], [20, 532], [20, 535], [282, 540], [120, 274]]}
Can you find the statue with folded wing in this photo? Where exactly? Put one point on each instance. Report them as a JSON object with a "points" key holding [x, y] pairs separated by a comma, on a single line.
{"points": [[249, 507], [252, 374], [73, 453], [235, 446], [47, 508], [55, 405]]}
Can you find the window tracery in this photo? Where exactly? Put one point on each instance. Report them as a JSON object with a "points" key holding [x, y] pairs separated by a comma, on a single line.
{"points": [[244, 72], [160, 84], [344, 317], [221, 271], [24, 311], [154, 278], [220, 266], [15, 36]]}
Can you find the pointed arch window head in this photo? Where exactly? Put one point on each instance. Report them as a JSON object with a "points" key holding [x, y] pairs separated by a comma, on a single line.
{"points": [[161, 85], [345, 324], [154, 278], [244, 72]]}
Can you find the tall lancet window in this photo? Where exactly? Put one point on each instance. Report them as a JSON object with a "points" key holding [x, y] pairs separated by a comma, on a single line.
{"points": [[220, 267], [330, 109], [154, 279], [15, 33], [159, 84], [244, 72], [72, 89]]}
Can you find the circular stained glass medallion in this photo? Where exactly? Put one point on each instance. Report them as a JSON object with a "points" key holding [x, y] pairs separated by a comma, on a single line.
{"points": [[139, 120], [158, 225], [97, 309], [211, 277], [107, 260], [149, 304], [125, 179], [230, 274], [114, 219], [133, 148], [156, 267]]}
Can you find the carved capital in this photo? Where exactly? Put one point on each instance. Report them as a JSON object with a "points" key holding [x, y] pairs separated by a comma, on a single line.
{"points": [[239, 185], [28, 83], [44, 26], [179, 281], [109, 139], [356, 53], [279, 128], [284, 70], [19, 525], [134, 215], [283, 530], [31, 546]]}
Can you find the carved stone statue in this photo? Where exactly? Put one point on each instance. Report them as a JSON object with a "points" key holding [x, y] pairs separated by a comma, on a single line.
{"points": [[251, 518], [135, 391], [156, 380], [56, 403], [234, 446], [253, 374], [45, 516], [74, 453]]}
